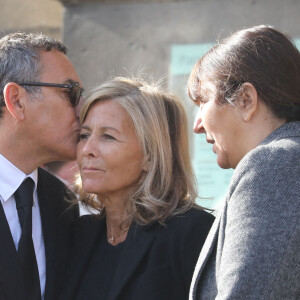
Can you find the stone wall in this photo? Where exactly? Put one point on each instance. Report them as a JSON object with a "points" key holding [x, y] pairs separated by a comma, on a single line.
{"points": [[113, 38], [31, 16], [107, 39], [119, 1]]}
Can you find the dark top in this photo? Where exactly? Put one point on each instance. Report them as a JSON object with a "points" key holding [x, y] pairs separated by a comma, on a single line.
{"points": [[154, 263], [104, 263]]}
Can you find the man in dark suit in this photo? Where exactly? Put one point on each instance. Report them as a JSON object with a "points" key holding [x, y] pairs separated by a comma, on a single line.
{"points": [[40, 93]]}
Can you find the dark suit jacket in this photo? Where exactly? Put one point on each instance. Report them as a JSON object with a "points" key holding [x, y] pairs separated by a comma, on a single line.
{"points": [[56, 225], [156, 263]]}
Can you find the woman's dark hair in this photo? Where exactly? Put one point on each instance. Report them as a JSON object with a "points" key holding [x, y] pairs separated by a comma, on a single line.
{"points": [[260, 55]]}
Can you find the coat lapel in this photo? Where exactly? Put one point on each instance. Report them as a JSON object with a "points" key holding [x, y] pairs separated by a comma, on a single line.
{"points": [[49, 227], [205, 254], [139, 240], [56, 230], [9, 270], [86, 231]]}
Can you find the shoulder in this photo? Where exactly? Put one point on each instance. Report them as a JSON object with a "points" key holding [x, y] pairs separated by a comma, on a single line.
{"points": [[89, 221], [282, 152], [277, 159], [49, 181], [194, 217], [86, 231], [180, 241], [283, 143], [287, 149], [55, 193], [266, 181], [86, 225], [193, 224]]}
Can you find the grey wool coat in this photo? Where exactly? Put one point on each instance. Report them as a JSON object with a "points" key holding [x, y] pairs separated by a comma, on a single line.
{"points": [[253, 248]]}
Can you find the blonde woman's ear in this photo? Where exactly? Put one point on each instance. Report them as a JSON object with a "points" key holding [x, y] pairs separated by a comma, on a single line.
{"points": [[146, 164]]}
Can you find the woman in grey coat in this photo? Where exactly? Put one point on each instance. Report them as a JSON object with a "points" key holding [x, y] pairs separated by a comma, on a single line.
{"points": [[248, 92]]}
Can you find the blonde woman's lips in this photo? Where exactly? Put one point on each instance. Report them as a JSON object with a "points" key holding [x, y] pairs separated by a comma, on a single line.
{"points": [[91, 170]]}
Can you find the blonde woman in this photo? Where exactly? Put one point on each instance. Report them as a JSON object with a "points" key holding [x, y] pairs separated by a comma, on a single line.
{"points": [[135, 171]]}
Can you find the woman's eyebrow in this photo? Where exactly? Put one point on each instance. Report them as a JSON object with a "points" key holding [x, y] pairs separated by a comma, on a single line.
{"points": [[102, 128]]}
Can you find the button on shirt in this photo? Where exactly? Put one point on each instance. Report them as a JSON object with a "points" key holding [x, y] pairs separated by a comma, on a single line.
{"points": [[10, 179]]}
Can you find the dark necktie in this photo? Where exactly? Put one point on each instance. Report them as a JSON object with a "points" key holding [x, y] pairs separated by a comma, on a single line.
{"points": [[26, 254]]}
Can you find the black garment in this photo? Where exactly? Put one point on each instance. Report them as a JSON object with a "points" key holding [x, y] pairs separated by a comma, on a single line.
{"points": [[104, 263], [156, 262], [57, 219], [26, 253]]}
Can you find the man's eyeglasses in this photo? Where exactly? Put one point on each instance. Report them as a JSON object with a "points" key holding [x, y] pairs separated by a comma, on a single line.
{"points": [[76, 92]]}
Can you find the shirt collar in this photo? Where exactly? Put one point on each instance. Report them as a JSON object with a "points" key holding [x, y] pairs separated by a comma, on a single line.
{"points": [[11, 178]]}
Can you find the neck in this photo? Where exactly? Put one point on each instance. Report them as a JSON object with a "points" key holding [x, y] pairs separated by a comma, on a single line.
{"points": [[254, 132], [18, 155], [20, 148], [264, 127], [117, 220]]}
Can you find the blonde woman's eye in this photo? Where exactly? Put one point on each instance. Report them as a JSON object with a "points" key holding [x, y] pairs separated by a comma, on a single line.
{"points": [[108, 137], [83, 136]]}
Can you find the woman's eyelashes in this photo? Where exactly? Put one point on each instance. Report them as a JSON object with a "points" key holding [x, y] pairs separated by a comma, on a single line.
{"points": [[83, 136], [107, 136], [104, 136]]}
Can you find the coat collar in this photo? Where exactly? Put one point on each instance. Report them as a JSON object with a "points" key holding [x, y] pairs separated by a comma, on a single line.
{"points": [[206, 251], [139, 240], [290, 129], [55, 231], [88, 231]]}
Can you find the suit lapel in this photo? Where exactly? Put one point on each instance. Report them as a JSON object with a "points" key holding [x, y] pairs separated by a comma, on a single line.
{"points": [[139, 240], [86, 231], [49, 229], [9, 270], [205, 254], [56, 231]]}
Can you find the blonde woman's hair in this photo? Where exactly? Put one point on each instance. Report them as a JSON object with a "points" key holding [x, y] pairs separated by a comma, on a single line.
{"points": [[160, 123]]}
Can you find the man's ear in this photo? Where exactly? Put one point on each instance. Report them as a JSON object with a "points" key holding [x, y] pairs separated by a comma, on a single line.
{"points": [[14, 96], [248, 101]]}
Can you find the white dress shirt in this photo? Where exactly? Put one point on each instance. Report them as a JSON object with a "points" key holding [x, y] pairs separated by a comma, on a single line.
{"points": [[10, 180]]}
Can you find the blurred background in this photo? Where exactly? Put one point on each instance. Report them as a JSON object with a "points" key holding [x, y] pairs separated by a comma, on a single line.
{"points": [[155, 39]]}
